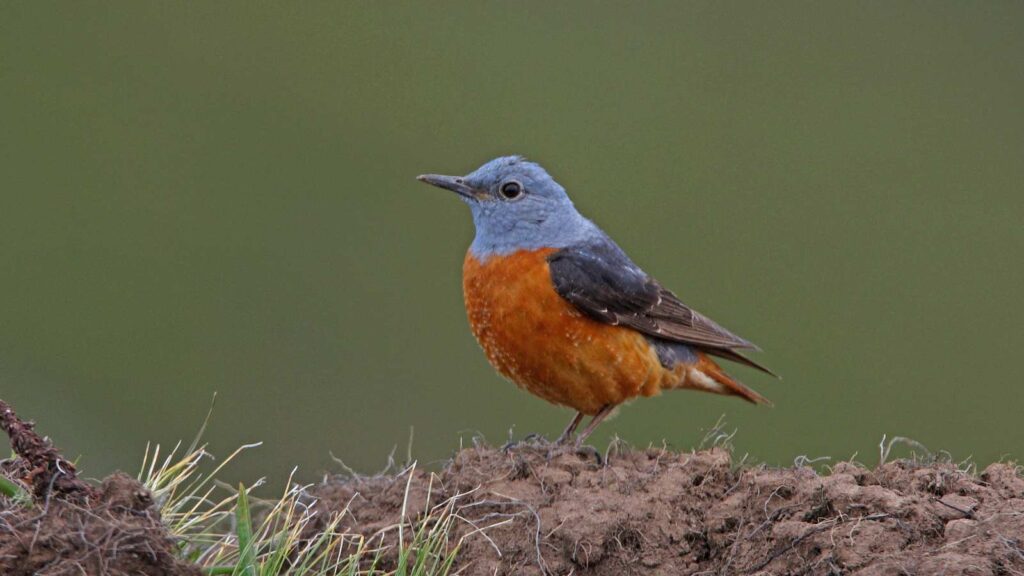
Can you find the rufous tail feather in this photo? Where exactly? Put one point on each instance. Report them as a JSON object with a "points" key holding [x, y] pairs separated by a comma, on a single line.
{"points": [[708, 376]]}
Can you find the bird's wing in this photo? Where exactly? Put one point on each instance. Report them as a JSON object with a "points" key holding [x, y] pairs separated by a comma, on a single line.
{"points": [[603, 283]]}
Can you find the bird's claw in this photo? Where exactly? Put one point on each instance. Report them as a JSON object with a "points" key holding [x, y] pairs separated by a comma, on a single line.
{"points": [[586, 450], [560, 446], [532, 438]]}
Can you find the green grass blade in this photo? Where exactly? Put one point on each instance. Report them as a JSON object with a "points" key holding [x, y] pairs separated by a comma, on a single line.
{"points": [[12, 490], [246, 550], [449, 561], [202, 429]]}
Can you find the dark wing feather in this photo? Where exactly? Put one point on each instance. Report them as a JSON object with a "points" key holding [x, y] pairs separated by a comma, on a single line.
{"points": [[735, 356], [603, 283], [589, 279]]}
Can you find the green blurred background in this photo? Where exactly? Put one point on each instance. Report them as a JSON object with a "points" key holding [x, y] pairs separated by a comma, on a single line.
{"points": [[201, 197]]}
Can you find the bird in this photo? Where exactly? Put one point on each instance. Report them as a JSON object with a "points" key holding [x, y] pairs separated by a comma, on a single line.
{"points": [[560, 309]]}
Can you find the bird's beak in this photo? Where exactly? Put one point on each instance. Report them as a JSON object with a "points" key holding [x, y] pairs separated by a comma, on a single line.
{"points": [[454, 183]]}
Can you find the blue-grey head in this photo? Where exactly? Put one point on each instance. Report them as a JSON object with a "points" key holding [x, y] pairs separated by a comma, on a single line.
{"points": [[516, 205]]}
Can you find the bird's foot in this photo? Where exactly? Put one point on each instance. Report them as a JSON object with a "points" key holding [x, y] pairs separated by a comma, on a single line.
{"points": [[533, 439], [587, 451]]}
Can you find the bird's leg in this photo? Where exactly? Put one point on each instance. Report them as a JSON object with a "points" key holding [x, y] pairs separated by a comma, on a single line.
{"points": [[601, 415], [567, 434], [570, 429]]}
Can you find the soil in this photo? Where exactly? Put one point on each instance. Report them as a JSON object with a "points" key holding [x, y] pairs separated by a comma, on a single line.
{"points": [[536, 509], [71, 527], [660, 512]]}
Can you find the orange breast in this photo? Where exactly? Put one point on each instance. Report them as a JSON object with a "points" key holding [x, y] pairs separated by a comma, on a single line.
{"points": [[542, 343]]}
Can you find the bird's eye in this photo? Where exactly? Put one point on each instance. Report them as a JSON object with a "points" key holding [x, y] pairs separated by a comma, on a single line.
{"points": [[511, 190]]}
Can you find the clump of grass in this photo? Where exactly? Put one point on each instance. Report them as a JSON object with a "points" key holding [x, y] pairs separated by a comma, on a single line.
{"points": [[11, 489], [229, 532]]}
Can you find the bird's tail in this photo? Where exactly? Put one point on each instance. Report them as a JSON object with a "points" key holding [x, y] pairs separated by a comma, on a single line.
{"points": [[707, 376]]}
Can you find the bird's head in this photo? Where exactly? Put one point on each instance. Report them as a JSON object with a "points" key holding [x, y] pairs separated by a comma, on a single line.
{"points": [[516, 205]]}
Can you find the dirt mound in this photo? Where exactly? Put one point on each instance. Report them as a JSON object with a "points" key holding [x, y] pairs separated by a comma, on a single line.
{"points": [[69, 527], [660, 512], [541, 510]]}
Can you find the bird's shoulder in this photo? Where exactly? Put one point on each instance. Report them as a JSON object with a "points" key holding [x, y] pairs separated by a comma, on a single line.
{"points": [[600, 280]]}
